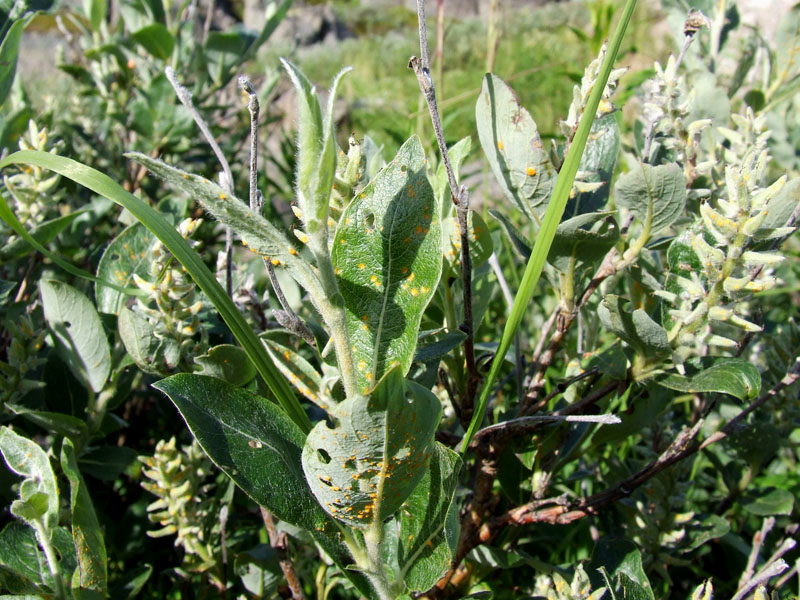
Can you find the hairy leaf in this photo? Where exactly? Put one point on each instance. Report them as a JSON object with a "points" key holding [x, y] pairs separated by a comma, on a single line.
{"points": [[227, 362], [514, 149], [38, 492], [256, 232], [583, 239], [363, 468], [76, 326], [387, 255], [656, 195]]}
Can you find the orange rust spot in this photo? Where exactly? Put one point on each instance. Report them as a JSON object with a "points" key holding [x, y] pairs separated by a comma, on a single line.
{"points": [[530, 171]]}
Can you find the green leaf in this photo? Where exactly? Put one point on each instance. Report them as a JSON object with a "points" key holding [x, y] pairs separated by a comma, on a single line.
{"points": [[26, 458], [440, 183], [621, 558], [9, 52], [428, 523], [256, 232], [769, 501], [86, 534], [387, 254], [156, 39], [43, 233], [54, 422], [363, 469], [138, 335], [514, 149], [480, 240], [647, 337], [106, 463], [164, 231], [95, 11], [544, 238], [227, 362], [735, 376], [514, 235], [129, 253], [298, 371], [19, 552], [133, 582], [699, 532], [584, 239], [253, 442], [76, 326], [656, 195], [597, 164], [439, 346]]}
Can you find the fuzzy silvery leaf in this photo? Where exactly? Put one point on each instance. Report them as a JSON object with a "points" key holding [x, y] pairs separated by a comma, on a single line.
{"points": [[655, 195], [316, 165], [138, 336], [387, 256], [256, 232], [428, 523], [253, 442], [458, 153], [368, 463], [38, 492], [77, 329], [514, 149], [636, 328]]}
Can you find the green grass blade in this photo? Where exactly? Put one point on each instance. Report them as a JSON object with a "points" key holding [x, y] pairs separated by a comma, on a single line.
{"points": [[105, 186], [552, 217], [11, 220]]}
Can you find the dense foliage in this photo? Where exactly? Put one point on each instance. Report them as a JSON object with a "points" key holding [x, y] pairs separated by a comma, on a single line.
{"points": [[360, 371]]}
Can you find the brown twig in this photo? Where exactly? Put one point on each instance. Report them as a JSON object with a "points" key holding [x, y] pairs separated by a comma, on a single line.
{"points": [[460, 197], [280, 542]]}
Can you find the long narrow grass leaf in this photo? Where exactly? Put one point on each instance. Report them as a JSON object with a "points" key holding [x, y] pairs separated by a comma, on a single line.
{"points": [[552, 217], [11, 220], [180, 249]]}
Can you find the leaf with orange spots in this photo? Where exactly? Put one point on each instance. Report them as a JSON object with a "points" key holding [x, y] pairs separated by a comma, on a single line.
{"points": [[514, 149], [303, 377], [259, 447], [480, 241], [428, 523], [363, 468], [387, 254], [131, 252]]}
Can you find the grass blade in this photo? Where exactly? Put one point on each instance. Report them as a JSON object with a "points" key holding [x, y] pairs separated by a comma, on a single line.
{"points": [[552, 217], [105, 186]]}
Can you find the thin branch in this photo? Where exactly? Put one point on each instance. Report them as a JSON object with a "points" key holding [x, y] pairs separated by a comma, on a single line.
{"points": [[520, 425], [226, 180], [286, 317], [280, 543], [763, 576], [421, 68], [755, 550]]}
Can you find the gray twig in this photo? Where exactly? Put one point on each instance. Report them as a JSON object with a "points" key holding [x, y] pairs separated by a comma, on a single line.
{"points": [[764, 575], [280, 542], [421, 68], [755, 550], [226, 180], [286, 317]]}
